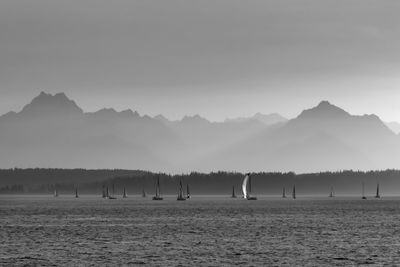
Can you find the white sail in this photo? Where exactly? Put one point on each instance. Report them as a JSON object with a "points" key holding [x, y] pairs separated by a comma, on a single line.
{"points": [[244, 186]]}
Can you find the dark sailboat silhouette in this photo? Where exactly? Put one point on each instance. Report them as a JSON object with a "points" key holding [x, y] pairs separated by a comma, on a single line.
{"points": [[76, 192], [143, 193], [158, 192], [377, 191], [125, 195], [283, 192], [332, 193], [104, 194], [233, 192], [246, 188], [180, 192], [363, 192], [108, 196], [294, 192], [187, 191]]}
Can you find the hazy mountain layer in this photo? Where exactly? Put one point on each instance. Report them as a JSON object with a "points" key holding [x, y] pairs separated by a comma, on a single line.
{"points": [[52, 131]]}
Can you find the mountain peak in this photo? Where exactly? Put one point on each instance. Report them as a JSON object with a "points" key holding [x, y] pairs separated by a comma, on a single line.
{"points": [[324, 110], [110, 113], [194, 118], [48, 104]]}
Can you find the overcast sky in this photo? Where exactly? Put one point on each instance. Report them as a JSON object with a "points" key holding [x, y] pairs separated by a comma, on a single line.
{"points": [[217, 58]]}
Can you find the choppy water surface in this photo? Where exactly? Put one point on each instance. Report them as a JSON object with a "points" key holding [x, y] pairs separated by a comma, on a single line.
{"points": [[208, 231]]}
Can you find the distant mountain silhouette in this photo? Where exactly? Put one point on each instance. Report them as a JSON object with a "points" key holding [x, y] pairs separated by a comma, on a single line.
{"points": [[394, 126], [324, 111], [53, 131], [267, 119], [321, 138], [49, 105]]}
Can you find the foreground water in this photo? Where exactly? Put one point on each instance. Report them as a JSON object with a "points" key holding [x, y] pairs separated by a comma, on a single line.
{"points": [[203, 231]]}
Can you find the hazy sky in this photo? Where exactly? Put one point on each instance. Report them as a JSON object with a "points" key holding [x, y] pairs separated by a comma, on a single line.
{"points": [[217, 58]]}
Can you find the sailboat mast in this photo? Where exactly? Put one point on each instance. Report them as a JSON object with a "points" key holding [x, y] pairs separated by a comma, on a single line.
{"points": [[158, 186], [377, 191], [180, 189], [294, 192], [283, 192], [363, 189], [124, 195]]}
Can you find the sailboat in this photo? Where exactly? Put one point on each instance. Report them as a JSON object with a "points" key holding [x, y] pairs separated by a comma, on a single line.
{"points": [[180, 192], [76, 192], [108, 196], [158, 193], [283, 192], [363, 193], [143, 193], [55, 193], [377, 191], [246, 188], [294, 192], [187, 191], [332, 193], [233, 192], [125, 195], [104, 195]]}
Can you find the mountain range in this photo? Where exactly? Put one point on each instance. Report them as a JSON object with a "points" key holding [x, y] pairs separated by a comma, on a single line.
{"points": [[53, 131]]}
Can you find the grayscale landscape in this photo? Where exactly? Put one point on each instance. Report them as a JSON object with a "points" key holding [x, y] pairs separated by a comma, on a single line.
{"points": [[199, 133]]}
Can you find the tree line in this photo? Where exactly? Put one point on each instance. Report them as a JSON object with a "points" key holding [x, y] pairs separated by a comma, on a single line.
{"points": [[45, 181]]}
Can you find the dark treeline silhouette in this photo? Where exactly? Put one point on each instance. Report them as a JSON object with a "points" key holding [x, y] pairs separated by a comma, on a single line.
{"points": [[38, 176], [91, 182]]}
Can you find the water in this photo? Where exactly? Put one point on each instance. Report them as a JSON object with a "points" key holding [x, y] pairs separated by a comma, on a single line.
{"points": [[203, 231]]}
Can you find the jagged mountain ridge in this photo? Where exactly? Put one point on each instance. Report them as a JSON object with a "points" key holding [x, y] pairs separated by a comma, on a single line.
{"points": [[53, 131], [321, 138]]}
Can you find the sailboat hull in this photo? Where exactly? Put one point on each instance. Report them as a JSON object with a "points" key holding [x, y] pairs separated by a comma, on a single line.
{"points": [[157, 198], [251, 198], [180, 198]]}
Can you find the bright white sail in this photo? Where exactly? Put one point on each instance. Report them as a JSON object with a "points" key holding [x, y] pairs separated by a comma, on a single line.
{"points": [[244, 186]]}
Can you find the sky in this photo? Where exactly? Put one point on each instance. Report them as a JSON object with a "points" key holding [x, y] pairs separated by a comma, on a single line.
{"points": [[216, 58]]}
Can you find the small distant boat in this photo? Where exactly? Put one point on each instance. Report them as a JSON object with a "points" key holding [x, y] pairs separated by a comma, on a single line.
{"points": [[108, 196], [125, 195], [180, 192], [246, 188], [104, 195], [363, 191], [283, 192], [187, 192], [55, 193], [332, 193], [294, 192], [76, 192], [233, 192], [143, 193], [158, 192], [377, 191]]}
